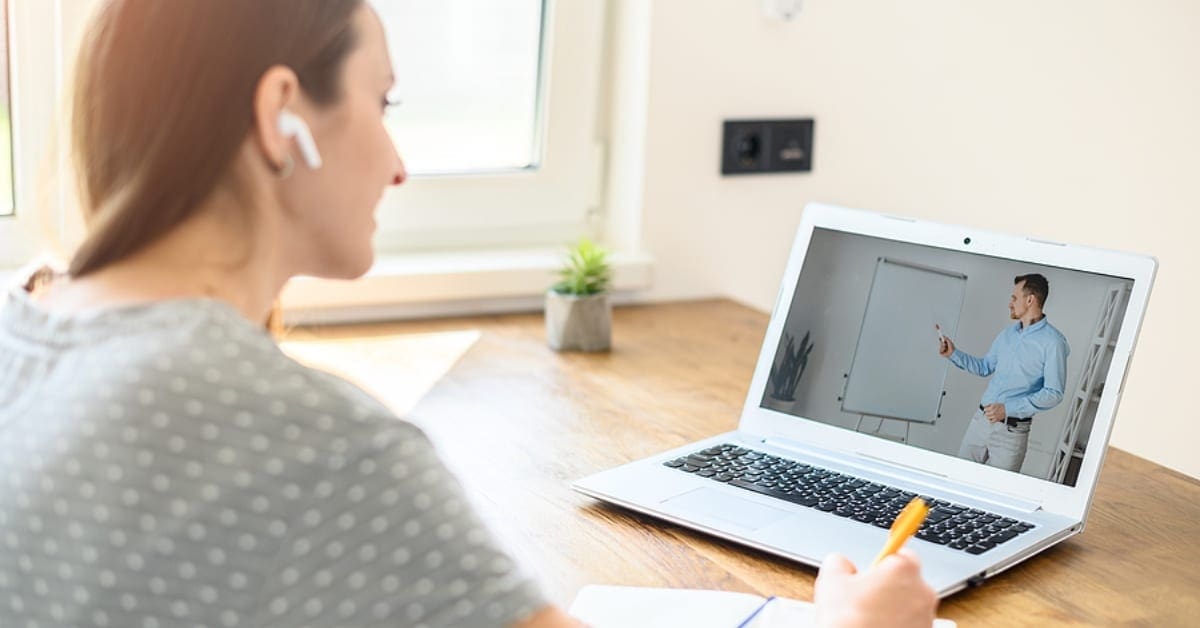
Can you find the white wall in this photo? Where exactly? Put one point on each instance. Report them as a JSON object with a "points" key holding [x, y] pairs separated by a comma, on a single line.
{"points": [[1073, 120]]}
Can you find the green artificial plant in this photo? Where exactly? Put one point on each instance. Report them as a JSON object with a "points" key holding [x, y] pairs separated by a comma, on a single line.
{"points": [[586, 271]]}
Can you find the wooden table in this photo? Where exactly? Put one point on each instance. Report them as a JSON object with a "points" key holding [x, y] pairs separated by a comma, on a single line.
{"points": [[519, 422]]}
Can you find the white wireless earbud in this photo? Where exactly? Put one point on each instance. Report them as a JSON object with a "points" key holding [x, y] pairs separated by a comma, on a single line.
{"points": [[291, 125]]}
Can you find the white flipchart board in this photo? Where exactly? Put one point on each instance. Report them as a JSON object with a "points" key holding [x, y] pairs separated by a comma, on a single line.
{"points": [[896, 372]]}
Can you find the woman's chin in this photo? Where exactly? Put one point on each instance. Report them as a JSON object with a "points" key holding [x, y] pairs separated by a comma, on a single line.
{"points": [[361, 267], [349, 268]]}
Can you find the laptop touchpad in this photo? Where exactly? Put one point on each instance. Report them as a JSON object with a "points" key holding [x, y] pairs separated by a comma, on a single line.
{"points": [[707, 502]]}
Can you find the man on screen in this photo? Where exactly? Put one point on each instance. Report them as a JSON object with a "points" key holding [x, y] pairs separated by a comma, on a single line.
{"points": [[1028, 365]]}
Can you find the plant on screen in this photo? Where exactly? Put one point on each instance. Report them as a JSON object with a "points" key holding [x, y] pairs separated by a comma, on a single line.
{"points": [[787, 371]]}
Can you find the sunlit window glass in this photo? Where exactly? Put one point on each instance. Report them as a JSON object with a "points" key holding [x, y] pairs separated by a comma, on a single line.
{"points": [[467, 78]]}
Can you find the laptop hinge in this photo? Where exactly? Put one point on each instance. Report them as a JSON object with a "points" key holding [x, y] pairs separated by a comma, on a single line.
{"points": [[935, 482]]}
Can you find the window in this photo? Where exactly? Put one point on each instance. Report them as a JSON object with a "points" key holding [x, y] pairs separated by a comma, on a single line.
{"points": [[468, 83], [7, 200], [32, 74], [501, 123], [498, 122]]}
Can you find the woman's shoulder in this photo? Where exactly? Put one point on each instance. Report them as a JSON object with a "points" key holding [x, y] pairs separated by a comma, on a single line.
{"points": [[222, 362]]}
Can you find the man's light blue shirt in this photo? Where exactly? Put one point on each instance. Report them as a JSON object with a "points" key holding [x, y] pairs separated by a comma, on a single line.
{"points": [[1028, 368]]}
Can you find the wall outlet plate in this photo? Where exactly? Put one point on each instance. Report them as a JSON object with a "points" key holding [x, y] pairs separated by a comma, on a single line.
{"points": [[761, 146]]}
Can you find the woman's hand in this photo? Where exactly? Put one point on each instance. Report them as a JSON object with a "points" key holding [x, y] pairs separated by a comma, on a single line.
{"points": [[891, 594]]}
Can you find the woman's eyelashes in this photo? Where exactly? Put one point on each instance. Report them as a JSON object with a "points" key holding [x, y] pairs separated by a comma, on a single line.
{"points": [[390, 101]]}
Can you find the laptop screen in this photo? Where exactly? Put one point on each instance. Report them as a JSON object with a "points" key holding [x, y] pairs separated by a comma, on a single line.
{"points": [[988, 359]]}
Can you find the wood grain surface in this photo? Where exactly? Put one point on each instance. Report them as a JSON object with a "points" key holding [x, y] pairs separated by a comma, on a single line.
{"points": [[518, 422]]}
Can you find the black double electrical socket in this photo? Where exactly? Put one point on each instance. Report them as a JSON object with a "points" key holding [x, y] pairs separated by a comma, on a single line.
{"points": [[759, 146]]}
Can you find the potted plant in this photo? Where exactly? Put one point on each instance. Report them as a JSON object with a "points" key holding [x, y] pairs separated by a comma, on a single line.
{"points": [[789, 368], [578, 311]]}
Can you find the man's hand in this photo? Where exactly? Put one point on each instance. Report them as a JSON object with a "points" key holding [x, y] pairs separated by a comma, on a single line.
{"points": [[891, 594], [945, 347], [994, 412]]}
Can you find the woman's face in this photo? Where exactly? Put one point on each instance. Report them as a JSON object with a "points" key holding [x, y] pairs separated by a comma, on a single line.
{"points": [[331, 216]]}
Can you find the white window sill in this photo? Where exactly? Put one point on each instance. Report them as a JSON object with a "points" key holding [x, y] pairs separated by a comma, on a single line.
{"points": [[418, 285]]}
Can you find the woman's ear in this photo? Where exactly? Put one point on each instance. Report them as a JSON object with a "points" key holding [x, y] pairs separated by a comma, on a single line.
{"points": [[277, 88]]}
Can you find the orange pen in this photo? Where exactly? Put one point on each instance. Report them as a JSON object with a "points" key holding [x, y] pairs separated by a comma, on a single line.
{"points": [[903, 527]]}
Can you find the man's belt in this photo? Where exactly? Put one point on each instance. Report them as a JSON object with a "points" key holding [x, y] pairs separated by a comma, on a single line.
{"points": [[1013, 420]]}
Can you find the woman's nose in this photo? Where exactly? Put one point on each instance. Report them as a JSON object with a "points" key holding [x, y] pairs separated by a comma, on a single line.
{"points": [[401, 174]]}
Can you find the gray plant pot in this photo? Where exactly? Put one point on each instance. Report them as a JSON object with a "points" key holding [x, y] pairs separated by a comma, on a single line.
{"points": [[578, 323]]}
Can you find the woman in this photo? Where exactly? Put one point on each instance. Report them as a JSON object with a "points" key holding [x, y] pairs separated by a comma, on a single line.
{"points": [[166, 464]]}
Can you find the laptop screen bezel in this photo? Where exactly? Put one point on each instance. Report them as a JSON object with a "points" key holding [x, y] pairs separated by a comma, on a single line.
{"points": [[1066, 500]]}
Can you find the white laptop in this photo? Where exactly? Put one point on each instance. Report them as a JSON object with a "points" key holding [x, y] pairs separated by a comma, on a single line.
{"points": [[855, 407]]}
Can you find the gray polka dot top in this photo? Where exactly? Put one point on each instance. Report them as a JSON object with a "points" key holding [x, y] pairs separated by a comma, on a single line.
{"points": [[166, 465]]}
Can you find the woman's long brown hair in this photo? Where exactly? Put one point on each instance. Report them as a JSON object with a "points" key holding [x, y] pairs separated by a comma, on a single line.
{"points": [[163, 99]]}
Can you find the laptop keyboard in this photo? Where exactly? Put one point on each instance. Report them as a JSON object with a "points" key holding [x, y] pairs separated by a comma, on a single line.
{"points": [[952, 525]]}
